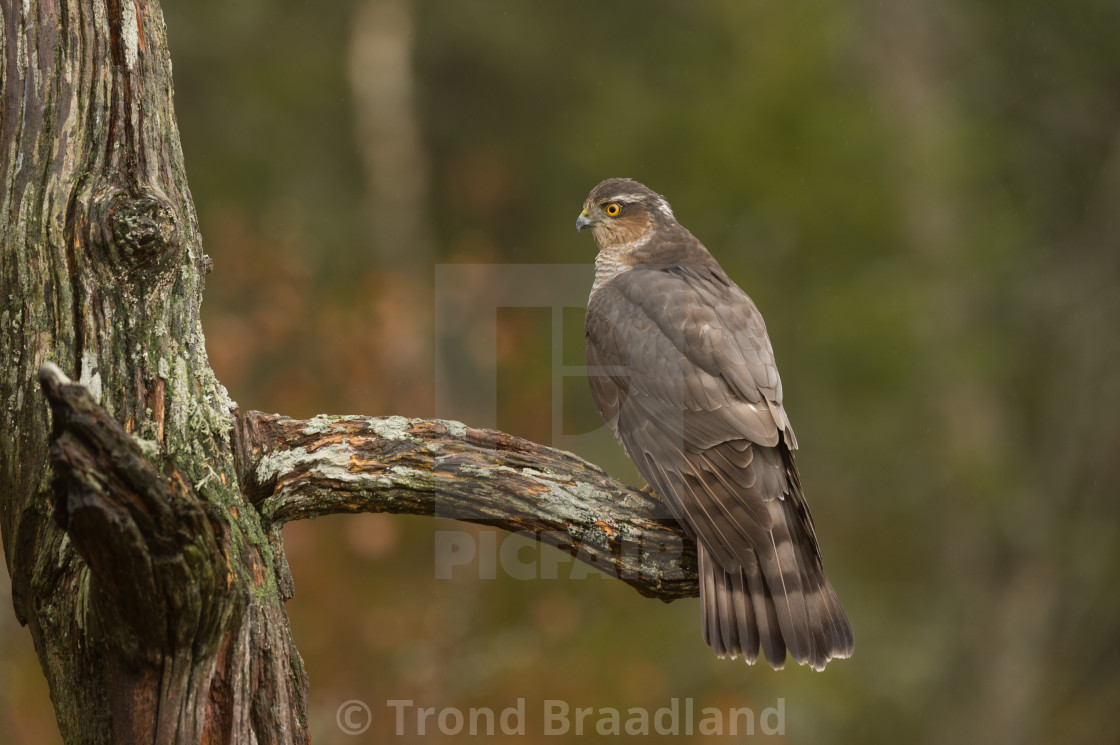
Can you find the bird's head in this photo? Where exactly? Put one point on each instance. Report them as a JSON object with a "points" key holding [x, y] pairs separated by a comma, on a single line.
{"points": [[621, 213]]}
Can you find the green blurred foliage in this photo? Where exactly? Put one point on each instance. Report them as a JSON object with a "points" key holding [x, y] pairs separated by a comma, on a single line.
{"points": [[921, 197]]}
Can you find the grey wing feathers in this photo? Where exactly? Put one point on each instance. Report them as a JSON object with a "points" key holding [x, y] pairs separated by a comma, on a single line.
{"points": [[716, 327], [682, 370]]}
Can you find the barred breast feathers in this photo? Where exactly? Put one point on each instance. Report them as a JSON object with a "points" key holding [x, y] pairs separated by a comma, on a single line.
{"points": [[614, 260]]}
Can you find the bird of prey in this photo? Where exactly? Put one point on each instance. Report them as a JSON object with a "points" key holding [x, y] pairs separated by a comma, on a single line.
{"points": [[682, 370]]}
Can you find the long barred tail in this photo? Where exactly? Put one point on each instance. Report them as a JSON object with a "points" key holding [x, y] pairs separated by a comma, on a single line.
{"points": [[740, 614]]}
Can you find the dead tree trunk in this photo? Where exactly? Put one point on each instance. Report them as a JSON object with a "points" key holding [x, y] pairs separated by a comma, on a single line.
{"points": [[150, 592], [140, 512]]}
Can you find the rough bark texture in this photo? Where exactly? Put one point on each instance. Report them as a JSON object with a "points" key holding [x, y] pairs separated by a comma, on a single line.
{"points": [[297, 469], [175, 630], [140, 514]]}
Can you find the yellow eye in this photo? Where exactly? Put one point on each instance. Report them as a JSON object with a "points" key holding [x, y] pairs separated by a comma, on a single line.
{"points": [[612, 209]]}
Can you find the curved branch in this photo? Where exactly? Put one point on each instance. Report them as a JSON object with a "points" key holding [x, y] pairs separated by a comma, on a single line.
{"points": [[294, 469]]}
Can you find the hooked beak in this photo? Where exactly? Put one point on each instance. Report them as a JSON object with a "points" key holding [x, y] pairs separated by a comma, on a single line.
{"points": [[583, 221]]}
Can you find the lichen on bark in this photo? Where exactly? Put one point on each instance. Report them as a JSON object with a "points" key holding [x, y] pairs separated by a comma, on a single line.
{"points": [[102, 269], [140, 512]]}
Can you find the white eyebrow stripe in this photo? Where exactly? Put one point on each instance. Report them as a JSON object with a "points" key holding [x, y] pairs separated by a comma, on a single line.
{"points": [[662, 206]]}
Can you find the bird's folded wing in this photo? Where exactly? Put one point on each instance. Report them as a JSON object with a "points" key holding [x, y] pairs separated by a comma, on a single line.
{"points": [[715, 326], [692, 391]]}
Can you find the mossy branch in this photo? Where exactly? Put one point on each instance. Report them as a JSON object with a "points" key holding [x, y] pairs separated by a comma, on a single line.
{"points": [[294, 469]]}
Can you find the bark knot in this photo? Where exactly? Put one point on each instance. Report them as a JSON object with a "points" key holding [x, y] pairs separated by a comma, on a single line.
{"points": [[138, 233]]}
